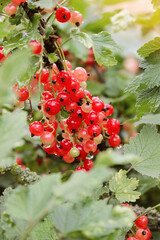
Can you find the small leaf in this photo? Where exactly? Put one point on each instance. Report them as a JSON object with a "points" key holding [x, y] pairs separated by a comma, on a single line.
{"points": [[104, 48], [52, 57], [83, 38], [146, 145], [123, 187]]}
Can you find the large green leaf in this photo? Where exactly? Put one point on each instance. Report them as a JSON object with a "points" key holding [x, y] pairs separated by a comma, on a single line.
{"points": [[5, 28], [149, 47], [84, 38], [104, 48], [150, 119], [123, 187], [12, 129], [93, 220], [146, 145]]}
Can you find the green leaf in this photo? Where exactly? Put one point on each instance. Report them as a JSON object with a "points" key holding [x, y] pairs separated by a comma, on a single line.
{"points": [[156, 3], [146, 183], [12, 70], [123, 187], [146, 145], [83, 38], [93, 220], [27, 203], [47, 4], [95, 88], [149, 47], [12, 129], [80, 6], [52, 57], [150, 119], [44, 231], [5, 28], [111, 158], [104, 47], [150, 21]]}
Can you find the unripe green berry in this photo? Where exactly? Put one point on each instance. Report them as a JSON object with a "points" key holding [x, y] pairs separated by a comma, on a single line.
{"points": [[74, 152]]}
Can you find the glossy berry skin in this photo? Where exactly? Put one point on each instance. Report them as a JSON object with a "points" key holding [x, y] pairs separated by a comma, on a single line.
{"points": [[49, 128], [44, 75], [74, 86], [18, 2], [36, 128], [66, 144], [90, 147], [47, 138], [73, 124], [11, 9], [63, 78], [83, 134], [78, 96], [52, 107], [2, 56], [68, 158], [94, 130], [36, 47], [47, 95], [86, 107], [80, 169], [72, 107], [91, 118], [22, 94], [74, 152], [97, 106], [142, 222], [108, 109], [50, 149], [143, 234], [63, 14], [76, 18], [114, 140], [63, 98], [80, 74], [113, 126], [83, 154], [88, 164]]}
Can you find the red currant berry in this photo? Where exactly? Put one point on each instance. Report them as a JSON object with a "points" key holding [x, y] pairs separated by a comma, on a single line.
{"points": [[36, 128], [63, 14], [47, 138], [19, 161], [74, 86], [80, 169], [36, 47], [143, 234], [68, 158], [22, 94], [78, 96], [50, 149], [52, 107], [83, 135], [66, 144], [142, 222], [2, 56], [11, 9], [83, 154], [97, 106], [63, 98], [47, 95], [18, 2], [51, 128], [108, 109], [73, 124], [64, 78], [80, 74], [91, 118], [113, 126], [59, 151], [44, 75], [114, 140], [94, 130], [72, 107], [132, 238], [88, 164], [76, 18], [90, 147]]}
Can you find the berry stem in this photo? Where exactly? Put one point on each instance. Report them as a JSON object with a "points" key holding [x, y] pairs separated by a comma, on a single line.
{"points": [[148, 210]]}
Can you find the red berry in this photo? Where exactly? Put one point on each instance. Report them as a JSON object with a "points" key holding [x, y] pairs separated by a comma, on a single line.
{"points": [[83, 134], [47, 95], [2, 56], [90, 147], [44, 75], [36, 47], [73, 124], [18, 2], [97, 106], [142, 222], [113, 126], [78, 96], [47, 138], [114, 140], [74, 86], [94, 130], [50, 149], [19, 161], [91, 118], [67, 158], [36, 128], [88, 164], [63, 98], [83, 154], [76, 18], [143, 234], [80, 74], [80, 169], [59, 151], [22, 94], [132, 238], [72, 107], [63, 14], [11, 9], [66, 144], [108, 109], [49, 128], [64, 78], [52, 107]]}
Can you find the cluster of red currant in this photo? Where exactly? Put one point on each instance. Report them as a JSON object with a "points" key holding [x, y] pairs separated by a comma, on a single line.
{"points": [[143, 233]]}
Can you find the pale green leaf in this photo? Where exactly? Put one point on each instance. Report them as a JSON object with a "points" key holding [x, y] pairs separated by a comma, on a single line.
{"points": [[104, 48], [150, 119], [12, 129], [123, 187], [146, 145], [52, 57], [83, 38], [47, 4], [95, 88], [5, 28], [149, 47]]}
